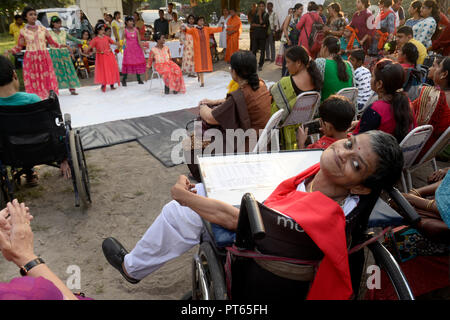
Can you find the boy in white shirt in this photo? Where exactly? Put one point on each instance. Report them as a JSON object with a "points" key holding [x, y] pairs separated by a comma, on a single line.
{"points": [[362, 77]]}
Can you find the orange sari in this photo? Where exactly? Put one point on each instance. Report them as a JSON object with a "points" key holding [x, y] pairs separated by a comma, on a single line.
{"points": [[202, 49], [233, 24]]}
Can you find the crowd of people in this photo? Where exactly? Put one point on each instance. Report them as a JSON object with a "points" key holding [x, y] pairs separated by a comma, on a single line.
{"points": [[377, 55]]}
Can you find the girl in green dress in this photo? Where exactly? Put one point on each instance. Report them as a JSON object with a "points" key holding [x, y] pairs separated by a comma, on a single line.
{"points": [[62, 63]]}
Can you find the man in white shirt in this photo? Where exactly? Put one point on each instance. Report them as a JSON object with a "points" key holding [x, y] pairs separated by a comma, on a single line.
{"points": [[274, 26]]}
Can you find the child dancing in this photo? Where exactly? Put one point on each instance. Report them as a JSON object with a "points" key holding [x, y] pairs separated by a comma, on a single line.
{"points": [[106, 68], [133, 57]]}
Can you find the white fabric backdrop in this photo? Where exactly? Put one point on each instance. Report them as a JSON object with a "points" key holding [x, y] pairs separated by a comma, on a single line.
{"points": [[281, 7]]}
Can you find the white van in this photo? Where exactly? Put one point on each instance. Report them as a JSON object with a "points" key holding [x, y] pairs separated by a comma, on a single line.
{"points": [[94, 9]]}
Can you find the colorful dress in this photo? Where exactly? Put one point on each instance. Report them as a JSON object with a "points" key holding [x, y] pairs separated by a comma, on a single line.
{"points": [[202, 52], [424, 30], [38, 73], [188, 65], [62, 63], [106, 68], [133, 56], [169, 70]]}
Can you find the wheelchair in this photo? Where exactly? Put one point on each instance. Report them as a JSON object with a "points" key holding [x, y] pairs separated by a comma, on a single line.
{"points": [[269, 259], [36, 134]]}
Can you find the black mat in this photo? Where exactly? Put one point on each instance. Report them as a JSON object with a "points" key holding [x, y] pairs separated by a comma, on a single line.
{"points": [[152, 132]]}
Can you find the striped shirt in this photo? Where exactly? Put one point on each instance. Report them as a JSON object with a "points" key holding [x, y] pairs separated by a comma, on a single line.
{"points": [[362, 82]]}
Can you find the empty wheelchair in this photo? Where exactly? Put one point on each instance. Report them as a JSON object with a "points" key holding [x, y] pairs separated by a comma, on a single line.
{"points": [[37, 134], [271, 258]]}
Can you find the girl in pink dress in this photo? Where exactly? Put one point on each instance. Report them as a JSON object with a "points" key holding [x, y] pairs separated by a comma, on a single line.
{"points": [[38, 73], [106, 68], [162, 63], [133, 56]]}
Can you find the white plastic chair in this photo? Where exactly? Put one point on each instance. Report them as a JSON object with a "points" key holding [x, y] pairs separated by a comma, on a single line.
{"points": [[411, 146], [270, 133], [154, 72], [304, 108], [352, 95], [372, 99], [430, 155]]}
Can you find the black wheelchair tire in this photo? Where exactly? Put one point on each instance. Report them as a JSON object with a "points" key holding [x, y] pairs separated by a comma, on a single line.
{"points": [[83, 167], [387, 262], [214, 272], [77, 171]]}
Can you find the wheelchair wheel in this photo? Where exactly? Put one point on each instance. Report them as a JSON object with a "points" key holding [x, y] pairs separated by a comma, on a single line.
{"points": [[80, 174], [208, 277], [385, 260]]}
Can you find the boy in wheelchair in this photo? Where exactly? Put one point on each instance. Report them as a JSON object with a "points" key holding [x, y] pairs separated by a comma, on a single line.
{"points": [[348, 169], [10, 96]]}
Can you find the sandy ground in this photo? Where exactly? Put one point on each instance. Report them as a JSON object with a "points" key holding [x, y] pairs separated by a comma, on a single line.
{"points": [[129, 188]]}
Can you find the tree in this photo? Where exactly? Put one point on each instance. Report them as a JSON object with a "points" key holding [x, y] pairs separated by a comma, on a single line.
{"points": [[8, 8]]}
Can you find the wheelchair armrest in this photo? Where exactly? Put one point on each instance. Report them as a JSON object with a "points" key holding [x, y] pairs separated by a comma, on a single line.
{"points": [[405, 208], [250, 224]]}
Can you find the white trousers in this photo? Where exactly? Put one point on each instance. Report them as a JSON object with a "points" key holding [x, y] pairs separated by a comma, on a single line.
{"points": [[176, 230]]}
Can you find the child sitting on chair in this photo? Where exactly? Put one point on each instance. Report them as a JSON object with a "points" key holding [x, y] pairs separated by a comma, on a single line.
{"points": [[10, 96], [336, 115], [362, 77]]}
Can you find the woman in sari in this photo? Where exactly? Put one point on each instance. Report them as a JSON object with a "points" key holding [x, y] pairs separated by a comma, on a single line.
{"points": [[431, 107], [304, 76], [162, 62]]}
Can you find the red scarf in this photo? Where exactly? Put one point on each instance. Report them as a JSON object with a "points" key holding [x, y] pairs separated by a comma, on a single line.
{"points": [[352, 37], [324, 221], [383, 36]]}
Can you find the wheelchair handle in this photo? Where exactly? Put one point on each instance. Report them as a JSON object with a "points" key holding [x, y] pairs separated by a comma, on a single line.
{"points": [[251, 215], [407, 210]]}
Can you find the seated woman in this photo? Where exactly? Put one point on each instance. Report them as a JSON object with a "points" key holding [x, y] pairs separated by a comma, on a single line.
{"points": [[327, 191], [391, 113], [336, 73], [11, 96], [304, 76], [434, 213], [432, 105], [246, 108], [161, 60]]}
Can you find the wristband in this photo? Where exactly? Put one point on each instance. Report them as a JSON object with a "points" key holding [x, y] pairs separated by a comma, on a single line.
{"points": [[30, 265]]}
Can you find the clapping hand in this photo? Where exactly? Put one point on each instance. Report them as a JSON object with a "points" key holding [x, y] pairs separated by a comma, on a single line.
{"points": [[16, 237]]}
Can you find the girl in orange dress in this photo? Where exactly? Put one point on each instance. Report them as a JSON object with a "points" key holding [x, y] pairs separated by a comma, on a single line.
{"points": [[202, 52], [162, 62], [106, 68]]}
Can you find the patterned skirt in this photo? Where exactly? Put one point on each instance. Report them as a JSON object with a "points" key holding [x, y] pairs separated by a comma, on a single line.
{"points": [[172, 76], [38, 73], [64, 69]]}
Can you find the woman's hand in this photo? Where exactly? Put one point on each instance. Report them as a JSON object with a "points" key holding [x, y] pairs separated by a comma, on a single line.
{"points": [[17, 246], [302, 135], [437, 175]]}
